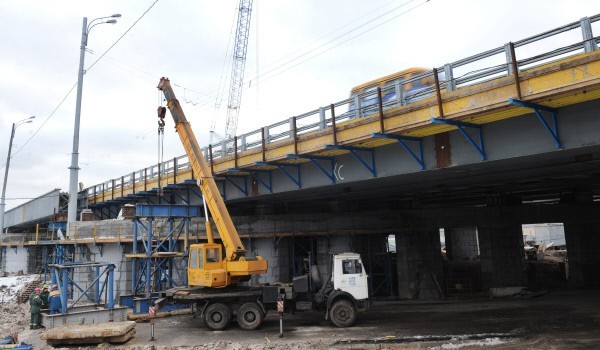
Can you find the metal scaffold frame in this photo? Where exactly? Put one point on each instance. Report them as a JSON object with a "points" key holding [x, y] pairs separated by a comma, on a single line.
{"points": [[61, 277], [158, 262]]}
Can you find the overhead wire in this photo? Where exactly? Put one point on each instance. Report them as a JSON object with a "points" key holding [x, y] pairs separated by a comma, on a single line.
{"points": [[264, 75], [75, 85], [338, 44], [316, 41]]}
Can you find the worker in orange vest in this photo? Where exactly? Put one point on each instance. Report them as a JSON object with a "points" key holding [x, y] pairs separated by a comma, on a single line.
{"points": [[54, 300]]}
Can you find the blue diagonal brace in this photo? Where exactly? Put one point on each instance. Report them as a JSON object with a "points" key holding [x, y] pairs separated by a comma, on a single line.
{"points": [[401, 140], [552, 130], [193, 186], [282, 167], [256, 175], [314, 159], [355, 152], [461, 127], [229, 178]]}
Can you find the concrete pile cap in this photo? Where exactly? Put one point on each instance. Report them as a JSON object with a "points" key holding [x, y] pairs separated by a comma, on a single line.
{"points": [[89, 332]]}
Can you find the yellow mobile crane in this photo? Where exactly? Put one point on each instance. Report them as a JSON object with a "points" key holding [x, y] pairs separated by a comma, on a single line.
{"points": [[343, 294], [206, 265]]}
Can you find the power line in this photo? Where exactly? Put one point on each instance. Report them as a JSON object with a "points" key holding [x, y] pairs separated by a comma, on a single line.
{"points": [[263, 78], [264, 75], [73, 87], [125, 33]]}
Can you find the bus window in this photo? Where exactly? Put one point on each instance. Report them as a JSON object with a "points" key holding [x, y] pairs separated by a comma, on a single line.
{"points": [[389, 91], [369, 97], [388, 83]]}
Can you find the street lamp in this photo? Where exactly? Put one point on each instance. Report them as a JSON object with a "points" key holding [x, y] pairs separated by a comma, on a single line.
{"points": [[3, 199], [74, 168]]}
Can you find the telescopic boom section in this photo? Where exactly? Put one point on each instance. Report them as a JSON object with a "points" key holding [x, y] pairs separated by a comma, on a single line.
{"points": [[233, 245]]}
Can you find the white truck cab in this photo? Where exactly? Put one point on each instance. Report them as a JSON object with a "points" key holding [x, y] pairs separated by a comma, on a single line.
{"points": [[349, 275]]}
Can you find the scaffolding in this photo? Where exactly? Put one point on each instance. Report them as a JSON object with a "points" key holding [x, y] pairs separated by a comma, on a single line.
{"points": [[158, 260]]}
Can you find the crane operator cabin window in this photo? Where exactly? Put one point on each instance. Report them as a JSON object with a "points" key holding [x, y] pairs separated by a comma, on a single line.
{"points": [[194, 258], [212, 255]]}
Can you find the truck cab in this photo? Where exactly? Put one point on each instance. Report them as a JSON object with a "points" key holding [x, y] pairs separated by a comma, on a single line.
{"points": [[349, 275]]}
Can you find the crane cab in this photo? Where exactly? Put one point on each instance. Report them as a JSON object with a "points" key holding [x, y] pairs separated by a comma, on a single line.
{"points": [[205, 266], [208, 268]]}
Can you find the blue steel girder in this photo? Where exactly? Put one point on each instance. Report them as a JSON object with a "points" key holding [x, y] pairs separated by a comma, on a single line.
{"points": [[402, 141], [167, 211], [255, 174], [314, 159], [537, 108], [282, 167], [461, 127], [354, 151]]}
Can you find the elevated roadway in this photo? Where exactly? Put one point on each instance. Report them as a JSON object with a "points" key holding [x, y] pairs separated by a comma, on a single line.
{"points": [[523, 127]]}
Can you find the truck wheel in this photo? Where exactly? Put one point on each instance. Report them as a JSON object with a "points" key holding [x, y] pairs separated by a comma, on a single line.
{"points": [[217, 316], [250, 316], [342, 313]]}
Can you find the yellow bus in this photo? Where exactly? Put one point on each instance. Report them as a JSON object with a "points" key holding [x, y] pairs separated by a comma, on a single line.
{"points": [[391, 87]]}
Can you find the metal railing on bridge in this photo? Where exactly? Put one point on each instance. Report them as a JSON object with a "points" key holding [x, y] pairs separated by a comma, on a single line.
{"points": [[499, 62]]}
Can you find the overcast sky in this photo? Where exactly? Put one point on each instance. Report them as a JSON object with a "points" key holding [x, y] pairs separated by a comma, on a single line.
{"points": [[302, 54]]}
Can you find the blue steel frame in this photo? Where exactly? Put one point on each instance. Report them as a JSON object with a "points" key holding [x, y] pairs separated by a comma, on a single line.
{"points": [[354, 151], [61, 276], [255, 174], [162, 268], [461, 127], [553, 131], [282, 167], [401, 140], [229, 178], [329, 173]]}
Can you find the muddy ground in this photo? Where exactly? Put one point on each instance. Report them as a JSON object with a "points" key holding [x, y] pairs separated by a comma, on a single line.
{"points": [[557, 320]]}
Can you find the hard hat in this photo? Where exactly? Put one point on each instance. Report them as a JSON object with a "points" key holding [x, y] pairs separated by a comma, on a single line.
{"points": [[45, 286]]}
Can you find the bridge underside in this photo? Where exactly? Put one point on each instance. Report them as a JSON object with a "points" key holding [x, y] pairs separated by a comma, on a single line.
{"points": [[525, 179]]}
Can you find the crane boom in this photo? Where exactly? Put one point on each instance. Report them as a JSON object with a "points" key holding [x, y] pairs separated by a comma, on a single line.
{"points": [[236, 266], [237, 68]]}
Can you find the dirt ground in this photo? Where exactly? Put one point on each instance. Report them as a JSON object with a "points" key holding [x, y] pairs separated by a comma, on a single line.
{"points": [[557, 320]]}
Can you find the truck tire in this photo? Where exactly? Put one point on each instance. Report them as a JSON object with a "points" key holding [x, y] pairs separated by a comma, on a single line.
{"points": [[217, 316], [250, 316], [342, 313]]}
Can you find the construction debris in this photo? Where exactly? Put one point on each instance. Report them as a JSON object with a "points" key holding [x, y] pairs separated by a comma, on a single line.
{"points": [[110, 332]]}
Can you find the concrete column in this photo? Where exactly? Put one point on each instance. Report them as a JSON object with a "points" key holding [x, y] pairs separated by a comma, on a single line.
{"points": [[583, 251], [502, 256], [419, 262], [461, 243]]}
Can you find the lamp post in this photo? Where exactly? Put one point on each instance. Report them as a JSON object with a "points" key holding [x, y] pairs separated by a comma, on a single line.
{"points": [[3, 199], [74, 168]]}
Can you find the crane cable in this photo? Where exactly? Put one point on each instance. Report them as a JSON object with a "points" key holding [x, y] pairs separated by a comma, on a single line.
{"points": [[161, 112]]}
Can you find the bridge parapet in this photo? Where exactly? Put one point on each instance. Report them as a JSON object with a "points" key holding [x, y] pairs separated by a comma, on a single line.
{"points": [[473, 90]]}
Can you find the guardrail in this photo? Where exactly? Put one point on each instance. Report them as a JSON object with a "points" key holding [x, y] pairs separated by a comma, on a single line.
{"points": [[499, 62]]}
